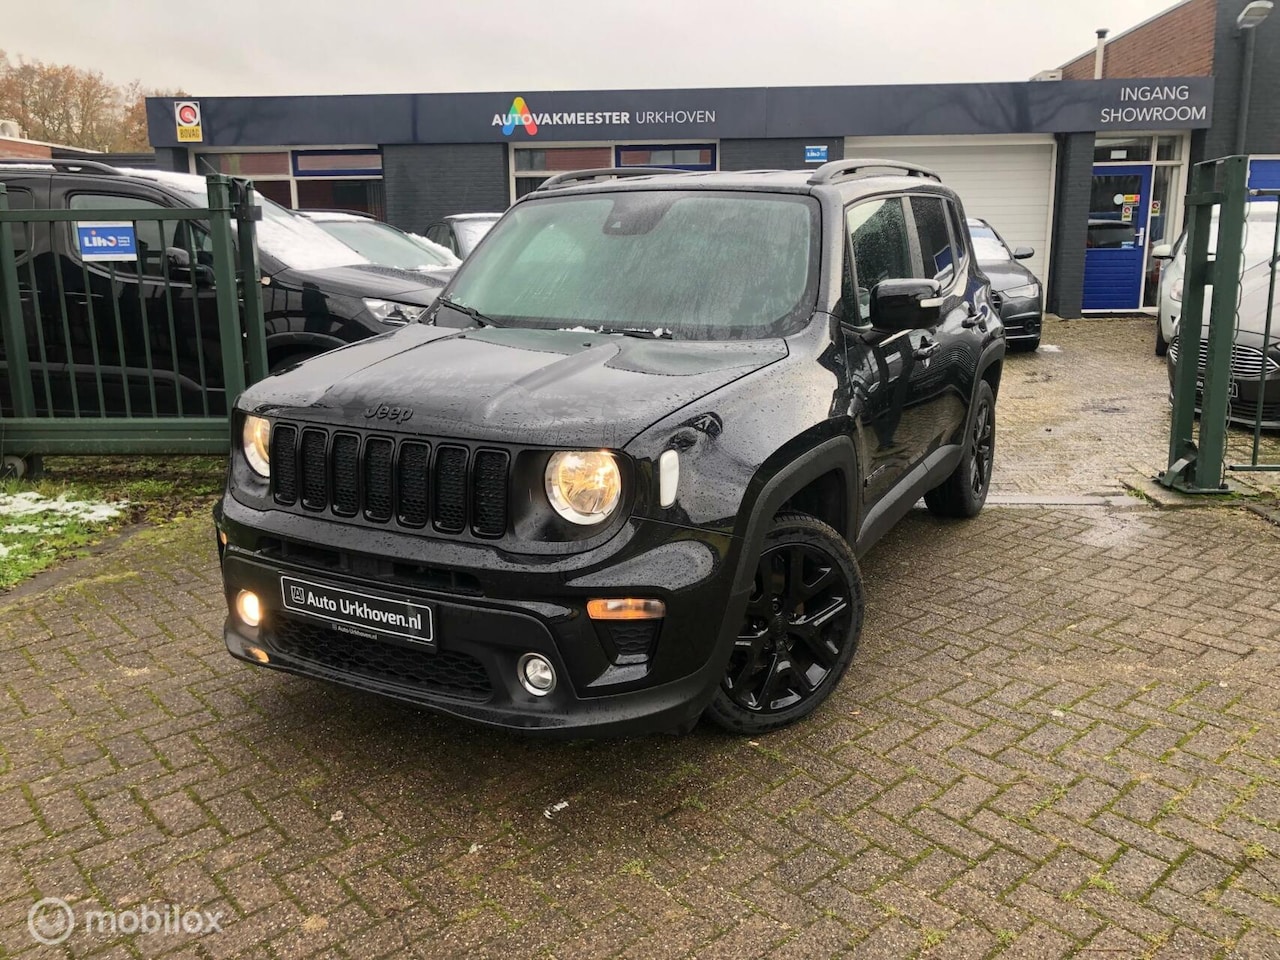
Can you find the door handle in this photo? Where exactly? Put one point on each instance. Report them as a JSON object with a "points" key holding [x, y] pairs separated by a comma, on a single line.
{"points": [[973, 319], [926, 349]]}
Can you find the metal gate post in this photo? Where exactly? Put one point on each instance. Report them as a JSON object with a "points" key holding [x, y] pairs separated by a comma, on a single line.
{"points": [[1222, 324], [13, 330], [1182, 446], [224, 278], [247, 213]]}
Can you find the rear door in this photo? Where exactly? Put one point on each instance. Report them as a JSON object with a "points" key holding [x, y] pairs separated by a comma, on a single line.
{"points": [[885, 368], [151, 327], [943, 377]]}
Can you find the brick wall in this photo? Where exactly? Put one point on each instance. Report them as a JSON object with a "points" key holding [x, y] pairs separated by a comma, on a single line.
{"points": [[424, 182], [24, 148], [1263, 130], [1177, 43], [775, 154], [1070, 224]]}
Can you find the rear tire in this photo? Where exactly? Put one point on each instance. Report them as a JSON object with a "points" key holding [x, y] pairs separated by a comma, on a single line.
{"points": [[800, 630], [964, 492]]}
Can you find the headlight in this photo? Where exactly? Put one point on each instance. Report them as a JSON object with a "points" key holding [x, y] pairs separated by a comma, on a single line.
{"points": [[256, 438], [584, 486], [1022, 292], [388, 311], [1175, 289]]}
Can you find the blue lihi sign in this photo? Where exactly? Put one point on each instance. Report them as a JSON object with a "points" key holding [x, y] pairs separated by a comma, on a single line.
{"points": [[816, 154], [107, 241]]}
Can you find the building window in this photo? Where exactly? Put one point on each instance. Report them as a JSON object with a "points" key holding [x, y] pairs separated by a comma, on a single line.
{"points": [[1121, 149], [346, 179], [695, 156], [533, 165]]}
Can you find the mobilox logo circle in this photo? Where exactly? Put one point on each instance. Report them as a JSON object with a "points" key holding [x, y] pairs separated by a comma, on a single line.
{"points": [[50, 921]]}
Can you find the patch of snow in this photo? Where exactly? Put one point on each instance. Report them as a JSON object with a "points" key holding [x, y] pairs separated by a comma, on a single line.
{"points": [[4, 551], [555, 808], [320, 216], [581, 329], [29, 504], [295, 241], [1050, 348], [434, 247]]}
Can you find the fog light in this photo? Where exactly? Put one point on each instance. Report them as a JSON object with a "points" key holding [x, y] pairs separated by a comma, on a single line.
{"points": [[222, 537], [257, 654], [536, 674], [248, 608], [626, 608]]}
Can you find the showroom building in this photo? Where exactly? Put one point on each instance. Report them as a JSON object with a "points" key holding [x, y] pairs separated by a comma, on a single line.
{"points": [[1087, 163]]}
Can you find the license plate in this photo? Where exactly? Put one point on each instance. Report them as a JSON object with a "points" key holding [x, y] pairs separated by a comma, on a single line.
{"points": [[358, 613], [1233, 388]]}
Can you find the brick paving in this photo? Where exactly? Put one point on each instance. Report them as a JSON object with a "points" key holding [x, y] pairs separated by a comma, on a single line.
{"points": [[1059, 739]]}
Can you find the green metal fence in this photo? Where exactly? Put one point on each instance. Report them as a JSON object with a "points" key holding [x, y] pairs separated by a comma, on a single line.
{"points": [[137, 356], [1224, 375]]}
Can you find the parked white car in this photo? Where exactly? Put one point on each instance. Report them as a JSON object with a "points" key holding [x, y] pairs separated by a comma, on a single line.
{"points": [[1255, 351]]}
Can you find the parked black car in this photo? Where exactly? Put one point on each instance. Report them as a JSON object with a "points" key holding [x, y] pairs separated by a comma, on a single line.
{"points": [[1015, 290], [622, 475], [461, 232], [317, 293]]}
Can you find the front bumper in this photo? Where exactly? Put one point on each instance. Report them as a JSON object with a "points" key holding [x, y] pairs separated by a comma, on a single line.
{"points": [[1022, 318], [1247, 394], [486, 616]]}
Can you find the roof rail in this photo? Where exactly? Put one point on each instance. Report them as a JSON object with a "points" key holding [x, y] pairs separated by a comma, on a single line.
{"points": [[850, 166], [92, 166], [560, 179]]}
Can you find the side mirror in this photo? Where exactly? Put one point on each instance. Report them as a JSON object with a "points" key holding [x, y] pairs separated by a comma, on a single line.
{"points": [[905, 304], [1023, 253], [1162, 251], [183, 270]]}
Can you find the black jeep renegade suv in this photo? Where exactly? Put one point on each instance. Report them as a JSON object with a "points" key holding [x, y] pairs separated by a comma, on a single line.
{"points": [[621, 473]]}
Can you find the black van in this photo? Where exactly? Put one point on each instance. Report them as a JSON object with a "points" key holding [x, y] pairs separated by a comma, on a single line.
{"points": [[317, 294]]}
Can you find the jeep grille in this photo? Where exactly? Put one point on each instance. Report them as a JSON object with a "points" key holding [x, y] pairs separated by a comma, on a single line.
{"points": [[450, 486]]}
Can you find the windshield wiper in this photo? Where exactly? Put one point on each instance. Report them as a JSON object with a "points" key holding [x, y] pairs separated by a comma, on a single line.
{"points": [[659, 334], [471, 312]]}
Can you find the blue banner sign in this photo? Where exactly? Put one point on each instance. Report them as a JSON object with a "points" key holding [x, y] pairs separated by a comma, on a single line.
{"points": [[815, 154], [107, 241]]}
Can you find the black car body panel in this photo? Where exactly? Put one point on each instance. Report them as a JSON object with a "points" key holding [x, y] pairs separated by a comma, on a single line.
{"points": [[305, 311], [833, 417], [1023, 315]]}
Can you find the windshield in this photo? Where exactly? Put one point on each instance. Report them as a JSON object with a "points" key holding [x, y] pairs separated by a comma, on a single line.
{"points": [[987, 247], [700, 265], [472, 231], [382, 244]]}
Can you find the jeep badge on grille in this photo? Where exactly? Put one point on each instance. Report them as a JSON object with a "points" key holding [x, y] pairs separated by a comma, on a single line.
{"points": [[383, 411]]}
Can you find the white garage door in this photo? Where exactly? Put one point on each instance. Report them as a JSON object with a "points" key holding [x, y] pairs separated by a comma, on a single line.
{"points": [[1008, 184]]}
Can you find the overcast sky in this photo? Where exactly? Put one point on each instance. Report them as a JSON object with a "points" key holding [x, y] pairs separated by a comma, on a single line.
{"points": [[371, 46]]}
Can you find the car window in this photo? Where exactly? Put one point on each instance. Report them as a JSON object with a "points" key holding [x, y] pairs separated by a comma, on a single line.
{"points": [[958, 233], [471, 232], [936, 250], [987, 244], [878, 241], [153, 237], [20, 199], [382, 244]]}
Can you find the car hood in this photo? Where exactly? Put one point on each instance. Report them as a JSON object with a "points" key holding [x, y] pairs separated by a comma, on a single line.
{"points": [[1005, 274], [367, 280], [1252, 313], [552, 387]]}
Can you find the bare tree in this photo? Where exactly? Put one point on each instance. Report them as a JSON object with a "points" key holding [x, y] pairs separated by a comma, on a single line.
{"points": [[60, 103]]}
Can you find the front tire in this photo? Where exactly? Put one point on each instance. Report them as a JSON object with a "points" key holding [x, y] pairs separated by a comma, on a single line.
{"points": [[800, 630], [964, 492], [1162, 345]]}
